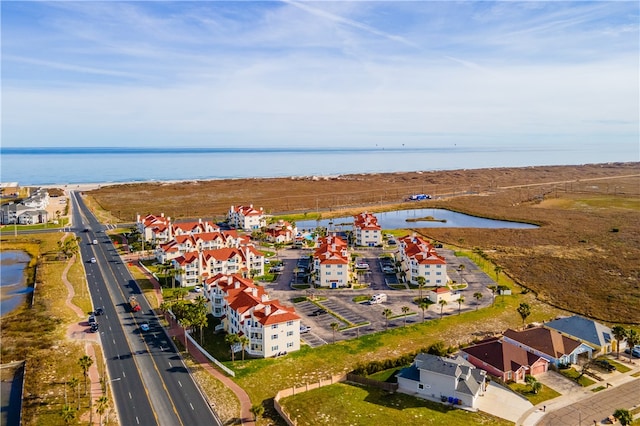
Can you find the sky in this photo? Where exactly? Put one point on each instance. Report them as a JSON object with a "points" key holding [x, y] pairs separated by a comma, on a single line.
{"points": [[313, 74]]}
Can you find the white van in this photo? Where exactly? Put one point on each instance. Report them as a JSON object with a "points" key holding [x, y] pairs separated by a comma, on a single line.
{"points": [[95, 242], [378, 298]]}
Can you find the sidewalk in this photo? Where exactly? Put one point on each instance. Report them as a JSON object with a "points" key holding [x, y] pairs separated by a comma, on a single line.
{"points": [[78, 331], [578, 401], [175, 330]]}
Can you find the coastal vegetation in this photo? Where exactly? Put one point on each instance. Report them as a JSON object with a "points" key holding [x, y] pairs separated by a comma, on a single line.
{"points": [[36, 334], [589, 217]]}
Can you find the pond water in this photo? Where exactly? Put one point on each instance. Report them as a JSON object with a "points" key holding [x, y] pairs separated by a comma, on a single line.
{"points": [[13, 285], [398, 220]]}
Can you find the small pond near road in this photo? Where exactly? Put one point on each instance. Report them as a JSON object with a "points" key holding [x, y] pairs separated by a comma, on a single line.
{"points": [[439, 218], [13, 286]]}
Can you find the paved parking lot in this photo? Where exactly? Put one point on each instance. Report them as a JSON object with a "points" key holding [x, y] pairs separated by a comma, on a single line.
{"points": [[340, 301]]}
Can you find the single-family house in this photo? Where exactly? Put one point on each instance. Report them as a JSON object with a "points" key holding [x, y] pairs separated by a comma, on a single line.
{"points": [[451, 380], [437, 294], [504, 360], [588, 331], [281, 232], [246, 310], [367, 230], [418, 258], [246, 217], [550, 344]]}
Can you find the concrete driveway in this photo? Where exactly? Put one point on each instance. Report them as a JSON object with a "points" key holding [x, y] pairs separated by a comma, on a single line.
{"points": [[502, 402]]}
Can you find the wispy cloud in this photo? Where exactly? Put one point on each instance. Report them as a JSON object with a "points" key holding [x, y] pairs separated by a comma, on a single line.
{"points": [[295, 72], [349, 22]]}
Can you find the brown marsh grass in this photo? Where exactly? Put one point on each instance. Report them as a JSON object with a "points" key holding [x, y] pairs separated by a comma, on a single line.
{"points": [[585, 257]]}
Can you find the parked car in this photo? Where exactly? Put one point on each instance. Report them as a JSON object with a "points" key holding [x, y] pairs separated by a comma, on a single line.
{"points": [[304, 328], [635, 351], [98, 311], [93, 260], [92, 319], [362, 265], [388, 270], [94, 327], [318, 312], [197, 289], [605, 365], [144, 326]]}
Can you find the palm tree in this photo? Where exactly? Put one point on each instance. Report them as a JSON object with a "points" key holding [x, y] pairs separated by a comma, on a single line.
{"points": [[619, 333], [421, 282], [277, 246], [68, 414], [244, 342], [524, 310], [103, 403], [423, 305], [74, 384], [232, 340], [497, 270], [200, 317], [477, 295], [334, 326], [186, 323], [632, 338], [173, 273], [624, 416], [405, 311], [180, 293], [442, 304], [460, 302], [387, 314], [256, 410], [85, 362], [536, 386]]}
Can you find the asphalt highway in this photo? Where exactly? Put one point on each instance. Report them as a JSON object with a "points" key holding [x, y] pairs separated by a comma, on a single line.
{"points": [[148, 378]]}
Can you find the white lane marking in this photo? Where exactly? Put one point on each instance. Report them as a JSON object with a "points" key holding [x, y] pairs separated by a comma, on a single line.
{"points": [[137, 420], [180, 383], [170, 365], [191, 406], [123, 374], [130, 397]]}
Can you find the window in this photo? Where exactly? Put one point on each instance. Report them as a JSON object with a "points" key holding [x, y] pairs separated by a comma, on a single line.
{"points": [[274, 326], [289, 333], [420, 386], [274, 337], [438, 273], [289, 323], [290, 344], [274, 348]]}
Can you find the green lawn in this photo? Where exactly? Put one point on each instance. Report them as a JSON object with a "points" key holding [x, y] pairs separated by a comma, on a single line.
{"points": [[348, 404], [619, 366], [574, 375], [544, 394]]}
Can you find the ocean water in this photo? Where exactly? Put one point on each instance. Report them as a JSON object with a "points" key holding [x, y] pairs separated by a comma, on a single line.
{"points": [[47, 166]]}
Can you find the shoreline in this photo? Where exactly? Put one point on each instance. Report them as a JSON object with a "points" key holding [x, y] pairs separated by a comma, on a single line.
{"points": [[91, 186]]}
